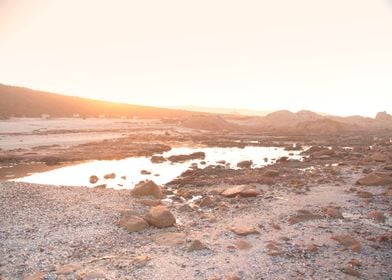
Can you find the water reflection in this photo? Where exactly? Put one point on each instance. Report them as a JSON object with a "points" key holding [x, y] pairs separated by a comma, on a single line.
{"points": [[128, 172]]}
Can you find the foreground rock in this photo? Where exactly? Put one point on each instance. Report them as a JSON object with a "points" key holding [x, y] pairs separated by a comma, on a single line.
{"points": [[132, 223], [160, 216], [148, 188], [241, 190]]}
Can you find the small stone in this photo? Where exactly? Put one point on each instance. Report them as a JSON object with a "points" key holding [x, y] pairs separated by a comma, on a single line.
{"points": [[157, 159], [245, 164], [110, 176], [350, 271], [333, 213], [207, 202], [355, 262], [312, 248], [377, 216], [93, 179], [243, 245], [141, 261], [244, 230], [196, 245], [363, 194]]}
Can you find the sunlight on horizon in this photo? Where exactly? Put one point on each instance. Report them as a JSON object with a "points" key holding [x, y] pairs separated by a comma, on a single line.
{"points": [[332, 57]]}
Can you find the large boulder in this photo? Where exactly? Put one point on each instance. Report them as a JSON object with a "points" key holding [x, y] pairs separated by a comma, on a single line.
{"points": [[160, 216], [241, 190], [148, 188]]}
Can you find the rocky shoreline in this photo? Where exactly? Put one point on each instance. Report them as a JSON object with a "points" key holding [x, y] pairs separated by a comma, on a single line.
{"points": [[332, 230]]}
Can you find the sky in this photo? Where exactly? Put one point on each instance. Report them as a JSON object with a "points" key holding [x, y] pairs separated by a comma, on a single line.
{"points": [[330, 56]]}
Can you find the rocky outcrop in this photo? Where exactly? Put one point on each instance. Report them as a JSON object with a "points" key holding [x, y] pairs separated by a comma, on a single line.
{"points": [[183, 158]]}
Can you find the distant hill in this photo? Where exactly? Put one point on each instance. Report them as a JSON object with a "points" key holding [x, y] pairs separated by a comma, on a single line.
{"points": [[223, 111], [24, 102]]}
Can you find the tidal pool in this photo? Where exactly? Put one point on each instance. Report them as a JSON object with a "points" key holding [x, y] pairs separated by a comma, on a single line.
{"points": [[128, 172]]}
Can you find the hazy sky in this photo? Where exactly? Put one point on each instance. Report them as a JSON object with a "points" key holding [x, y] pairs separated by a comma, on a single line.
{"points": [[330, 56]]}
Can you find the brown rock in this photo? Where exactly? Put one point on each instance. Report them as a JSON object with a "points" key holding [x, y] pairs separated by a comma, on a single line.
{"points": [[312, 248], [148, 188], [377, 216], [363, 194], [350, 271], [233, 277], [160, 216], [145, 172], [169, 238], [132, 223], [333, 213], [35, 276], [388, 167], [355, 262], [348, 241], [374, 179], [183, 158], [386, 237], [243, 244], [303, 216], [150, 202], [94, 275], [207, 202], [157, 159], [141, 261], [93, 179], [241, 190], [271, 173], [244, 230], [68, 269], [245, 164], [110, 176], [380, 157], [196, 245]]}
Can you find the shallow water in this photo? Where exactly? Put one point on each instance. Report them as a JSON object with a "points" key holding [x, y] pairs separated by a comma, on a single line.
{"points": [[128, 171]]}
